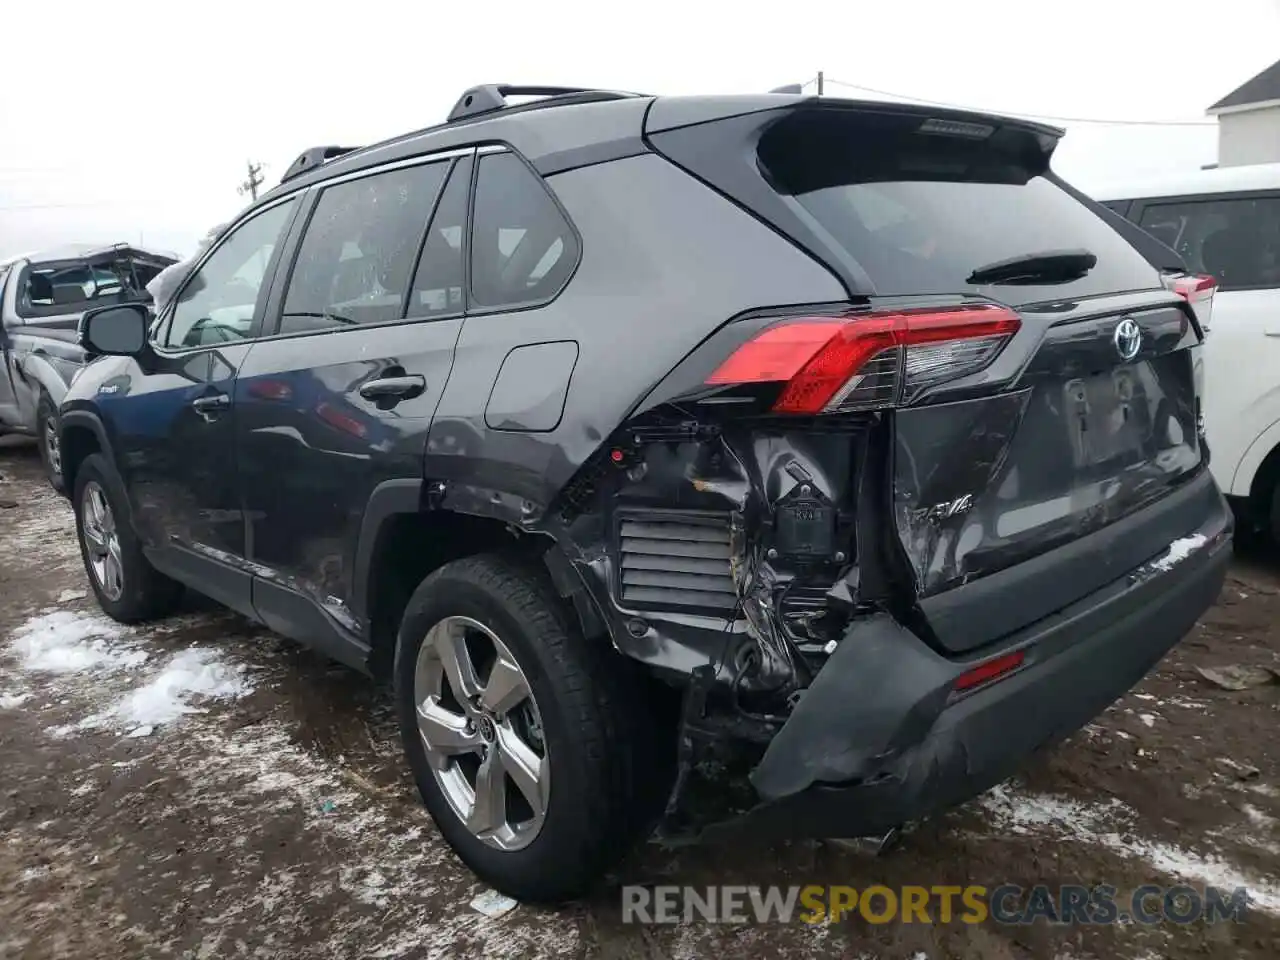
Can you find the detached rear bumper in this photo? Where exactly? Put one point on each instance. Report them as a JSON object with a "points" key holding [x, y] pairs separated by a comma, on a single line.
{"points": [[880, 738]]}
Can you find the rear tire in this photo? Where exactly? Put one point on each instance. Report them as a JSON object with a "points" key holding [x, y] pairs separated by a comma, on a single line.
{"points": [[135, 592], [597, 733], [49, 442]]}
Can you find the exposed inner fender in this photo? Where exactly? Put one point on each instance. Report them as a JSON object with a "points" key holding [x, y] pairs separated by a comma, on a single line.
{"points": [[729, 545]]}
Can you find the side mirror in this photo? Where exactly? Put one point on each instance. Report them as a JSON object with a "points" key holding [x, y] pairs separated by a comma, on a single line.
{"points": [[119, 331]]}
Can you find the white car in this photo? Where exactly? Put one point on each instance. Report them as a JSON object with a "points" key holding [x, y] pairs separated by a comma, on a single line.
{"points": [[1225, 223]]}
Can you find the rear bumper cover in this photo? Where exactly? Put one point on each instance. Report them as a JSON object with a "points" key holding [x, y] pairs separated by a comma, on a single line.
{"points": [[879, 739]]}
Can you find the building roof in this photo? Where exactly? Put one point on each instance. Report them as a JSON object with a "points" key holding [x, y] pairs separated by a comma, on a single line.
{"points": [[1263, 88]]}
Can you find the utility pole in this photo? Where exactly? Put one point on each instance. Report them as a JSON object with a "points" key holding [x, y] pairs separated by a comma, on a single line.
{"points": [[252, 182], [819, 83]]}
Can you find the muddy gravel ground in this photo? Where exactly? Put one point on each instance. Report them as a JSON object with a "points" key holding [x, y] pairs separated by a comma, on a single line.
{"points": [[200, 788]]}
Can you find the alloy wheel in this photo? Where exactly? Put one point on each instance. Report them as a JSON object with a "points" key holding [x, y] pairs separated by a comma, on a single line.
{"points": [[102, 541], [482, 732]]}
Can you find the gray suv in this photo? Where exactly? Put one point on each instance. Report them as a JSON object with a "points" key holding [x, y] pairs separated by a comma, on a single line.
{"points": [[42, 297], [839, 440]]}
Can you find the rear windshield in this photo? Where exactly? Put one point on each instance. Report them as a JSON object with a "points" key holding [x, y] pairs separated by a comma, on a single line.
{"points": [[66, 288], [919, 213]]}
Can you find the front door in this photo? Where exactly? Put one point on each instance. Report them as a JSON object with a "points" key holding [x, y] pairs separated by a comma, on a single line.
{"points": [[175, 426], [341, 398]]}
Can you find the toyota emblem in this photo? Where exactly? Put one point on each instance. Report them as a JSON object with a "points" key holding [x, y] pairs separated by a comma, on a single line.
{"points": [[1128, 338]]}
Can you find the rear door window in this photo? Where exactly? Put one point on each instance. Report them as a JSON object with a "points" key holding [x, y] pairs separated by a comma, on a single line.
{"points": [[523, 250], [356, 257], [919, 212], [1234, 238]]}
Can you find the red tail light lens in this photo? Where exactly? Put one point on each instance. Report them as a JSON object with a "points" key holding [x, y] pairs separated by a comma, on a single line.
{"points": [[871, 360]]}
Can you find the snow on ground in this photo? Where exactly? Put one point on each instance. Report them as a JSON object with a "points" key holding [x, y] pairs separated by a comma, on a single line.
{"points": [[169, 693], [1112, 825], [80, 646], [65, 641], [391, 861], [128, 682]]}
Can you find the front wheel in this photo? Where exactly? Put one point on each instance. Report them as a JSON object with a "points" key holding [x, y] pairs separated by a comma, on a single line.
{"points": [[127, 587], [49, 441], [532, 747]]}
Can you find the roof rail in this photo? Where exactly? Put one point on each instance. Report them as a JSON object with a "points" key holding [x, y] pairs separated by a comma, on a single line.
{"points": [[489, 97], [313, 157]]}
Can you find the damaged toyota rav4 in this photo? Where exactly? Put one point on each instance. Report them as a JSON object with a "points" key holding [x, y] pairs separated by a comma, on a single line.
{"points": [[841, 439]]}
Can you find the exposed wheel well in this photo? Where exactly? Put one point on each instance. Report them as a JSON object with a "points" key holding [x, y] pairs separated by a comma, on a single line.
{"points": [[77, 443], [408, 548]]}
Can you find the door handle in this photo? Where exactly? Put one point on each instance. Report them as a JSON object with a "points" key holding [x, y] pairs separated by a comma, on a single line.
{"points": [[394, 388], [208, 406]]}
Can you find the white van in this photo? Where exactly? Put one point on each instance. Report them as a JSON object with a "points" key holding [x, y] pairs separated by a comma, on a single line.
{"points": [[1226, 222]]}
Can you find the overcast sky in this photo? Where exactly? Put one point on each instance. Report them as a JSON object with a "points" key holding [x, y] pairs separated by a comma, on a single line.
{"points": [[135, 121]]}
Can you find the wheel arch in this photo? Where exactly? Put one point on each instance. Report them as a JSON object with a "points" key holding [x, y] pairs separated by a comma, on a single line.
{"points": [[404, 537], [40, 368], [1248, 477], [81, 433]]}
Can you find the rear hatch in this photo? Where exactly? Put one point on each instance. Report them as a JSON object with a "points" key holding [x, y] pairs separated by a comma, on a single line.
{"points": [[1013, 442]]}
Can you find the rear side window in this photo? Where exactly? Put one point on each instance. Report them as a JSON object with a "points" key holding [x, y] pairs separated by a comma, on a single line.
{"points": [[359, 249], [1235, 239], [920, 212], [523, 250]]}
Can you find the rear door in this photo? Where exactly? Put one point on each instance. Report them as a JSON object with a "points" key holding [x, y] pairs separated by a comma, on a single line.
{"points": [[340, 397], [1084, 417], [1236, 238]]}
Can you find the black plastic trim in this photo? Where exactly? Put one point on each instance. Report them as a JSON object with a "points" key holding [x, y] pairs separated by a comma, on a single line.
{"points": [[389, 498], [291, 614], [91, 421], [219, 581]]}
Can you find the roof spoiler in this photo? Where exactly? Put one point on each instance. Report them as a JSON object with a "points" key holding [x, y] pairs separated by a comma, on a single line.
{"points": [[314, 157]]}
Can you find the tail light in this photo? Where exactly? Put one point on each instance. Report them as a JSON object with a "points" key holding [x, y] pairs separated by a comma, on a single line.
{"points": [[868, 361], [1197, 290]]}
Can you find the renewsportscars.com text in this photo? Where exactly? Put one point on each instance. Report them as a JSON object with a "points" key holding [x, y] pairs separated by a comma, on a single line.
{"points": [[973, 904]]}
